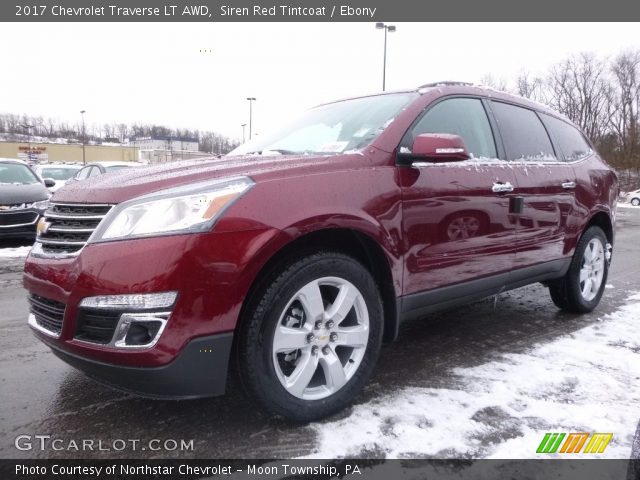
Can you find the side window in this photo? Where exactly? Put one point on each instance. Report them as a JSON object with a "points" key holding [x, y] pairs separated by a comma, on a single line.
{"points": [[523, 134], [94, 171], [83, 173], [572, 144], [464, 117]]}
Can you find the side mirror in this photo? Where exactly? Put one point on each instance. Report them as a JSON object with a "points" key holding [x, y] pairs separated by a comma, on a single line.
{"points": [[440, 147], [49, 182]]}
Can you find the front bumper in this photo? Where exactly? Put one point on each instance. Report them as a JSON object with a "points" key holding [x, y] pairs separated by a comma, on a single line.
{"points": [[212, 274], [200, 370]]}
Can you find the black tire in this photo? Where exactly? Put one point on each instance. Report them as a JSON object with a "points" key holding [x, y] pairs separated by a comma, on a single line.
{"points": [[566, 292], [635, 202], [256, 364]]}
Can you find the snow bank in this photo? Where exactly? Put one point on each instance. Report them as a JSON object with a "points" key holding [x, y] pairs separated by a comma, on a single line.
{"points": [[588, 381]]}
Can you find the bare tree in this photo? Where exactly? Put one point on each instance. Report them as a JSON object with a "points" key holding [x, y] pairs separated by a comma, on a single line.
{"points": [[624, 118], [579, 88], [489, 80]]}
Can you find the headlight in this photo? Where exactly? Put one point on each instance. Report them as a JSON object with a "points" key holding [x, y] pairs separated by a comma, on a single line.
{"points": [[42, 205], [188, 209]]}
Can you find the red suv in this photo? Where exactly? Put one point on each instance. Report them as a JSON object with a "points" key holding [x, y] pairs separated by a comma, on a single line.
{"points": [[300, 252]]}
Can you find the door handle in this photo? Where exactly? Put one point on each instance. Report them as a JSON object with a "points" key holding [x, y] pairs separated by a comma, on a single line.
{"points": [[568, 185], [499, 187]]}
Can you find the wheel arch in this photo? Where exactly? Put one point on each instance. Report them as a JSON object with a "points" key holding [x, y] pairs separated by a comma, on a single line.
{"points": [[602, 219], [354, 243]]}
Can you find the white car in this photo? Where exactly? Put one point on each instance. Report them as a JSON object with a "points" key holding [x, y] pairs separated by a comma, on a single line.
{"points": [[98, 168], [59, 172], [633, 197]]}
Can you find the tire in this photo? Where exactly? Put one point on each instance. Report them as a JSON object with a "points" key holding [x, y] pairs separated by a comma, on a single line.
{"points": [[300, 377], [635, 202], [580, 290]]}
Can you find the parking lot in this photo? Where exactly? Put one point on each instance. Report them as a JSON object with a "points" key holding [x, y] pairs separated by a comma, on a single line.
{"points": [[481, 381]]}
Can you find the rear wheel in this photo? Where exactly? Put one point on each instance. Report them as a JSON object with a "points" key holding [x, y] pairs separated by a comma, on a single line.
{"points": [[311, 342], [581, 288]]}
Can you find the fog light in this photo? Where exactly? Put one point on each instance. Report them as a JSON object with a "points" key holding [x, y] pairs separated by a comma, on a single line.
{"points": [[139, 329], [142, 333], [136, 301]]}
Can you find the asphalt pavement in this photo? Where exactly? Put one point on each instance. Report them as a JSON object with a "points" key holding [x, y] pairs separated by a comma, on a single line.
{"points": [[40, 395]]}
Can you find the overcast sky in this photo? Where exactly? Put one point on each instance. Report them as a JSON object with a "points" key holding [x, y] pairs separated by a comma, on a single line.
{"points": [[155, 72]]}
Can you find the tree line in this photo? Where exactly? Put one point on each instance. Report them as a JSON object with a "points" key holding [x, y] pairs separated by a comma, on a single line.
{"points": [[601, 95], [12, 126]]}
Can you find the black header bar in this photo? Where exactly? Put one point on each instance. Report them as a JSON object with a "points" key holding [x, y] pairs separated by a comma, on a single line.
{"points": [[320, 11]]}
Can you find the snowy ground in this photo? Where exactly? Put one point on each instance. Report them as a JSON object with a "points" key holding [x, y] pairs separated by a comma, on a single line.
{"points": [[585, 381], [14, 252]]}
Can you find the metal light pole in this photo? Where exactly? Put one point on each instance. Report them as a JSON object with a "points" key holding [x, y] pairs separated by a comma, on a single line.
{"points": [[243, 125], [28, 127], [387, 28], [251, 100], [84, 158]]}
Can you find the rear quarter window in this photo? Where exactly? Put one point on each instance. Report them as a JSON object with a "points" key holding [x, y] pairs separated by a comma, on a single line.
{"points": [[572, 144], [523, 134]]}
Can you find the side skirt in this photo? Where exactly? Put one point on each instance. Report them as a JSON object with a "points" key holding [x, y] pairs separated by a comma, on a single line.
{"points": [[419, 304]]}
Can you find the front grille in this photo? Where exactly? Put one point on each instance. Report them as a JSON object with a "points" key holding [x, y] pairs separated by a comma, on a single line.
{"points": [[12, 219], [70, 226], [96, 326], [48, 313]]}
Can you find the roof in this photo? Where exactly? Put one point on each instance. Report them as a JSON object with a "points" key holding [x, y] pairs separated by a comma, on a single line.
{"points": [[13, 160], [458, 87], [113, 163]]}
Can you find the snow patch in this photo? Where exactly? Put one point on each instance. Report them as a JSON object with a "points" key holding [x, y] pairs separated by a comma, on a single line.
{"points": [[587, 381], [16, 252]]}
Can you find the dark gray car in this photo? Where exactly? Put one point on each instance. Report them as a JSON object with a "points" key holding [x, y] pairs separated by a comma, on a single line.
{"points": [[23, 199]]}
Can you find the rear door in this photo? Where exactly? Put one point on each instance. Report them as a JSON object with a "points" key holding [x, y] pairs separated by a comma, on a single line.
{"points": [[545, 183], [456, 226]]}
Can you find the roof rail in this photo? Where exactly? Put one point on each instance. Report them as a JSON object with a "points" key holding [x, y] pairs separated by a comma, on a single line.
{"points": [[446, 83]]}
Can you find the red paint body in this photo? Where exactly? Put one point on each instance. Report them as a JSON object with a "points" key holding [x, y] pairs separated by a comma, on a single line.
{"points": [[408, 212]]}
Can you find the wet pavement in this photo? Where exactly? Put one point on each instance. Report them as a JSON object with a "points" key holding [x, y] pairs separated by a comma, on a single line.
{"points": [[43, 396]]}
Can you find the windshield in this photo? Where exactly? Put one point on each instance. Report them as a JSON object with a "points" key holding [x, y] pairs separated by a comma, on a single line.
{"points": [[58, 173], [332, 128], [16, 173]]}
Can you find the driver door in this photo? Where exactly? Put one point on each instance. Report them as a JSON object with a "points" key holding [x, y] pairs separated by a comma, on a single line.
{"points": [[459, 234]]}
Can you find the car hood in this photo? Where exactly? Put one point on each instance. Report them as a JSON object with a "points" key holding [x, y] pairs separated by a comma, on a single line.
{"points": [[121, 185], [11, 194]]}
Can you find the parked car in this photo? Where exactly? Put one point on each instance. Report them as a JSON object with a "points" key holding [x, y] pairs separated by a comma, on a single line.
{"points": [[23, 199], [98, 168], [299, 252], [633, 197], [60, 173]]}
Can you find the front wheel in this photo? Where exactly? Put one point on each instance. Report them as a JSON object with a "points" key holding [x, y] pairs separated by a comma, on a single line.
{"points": [[581, 288], [312, 340], [635, 202]]}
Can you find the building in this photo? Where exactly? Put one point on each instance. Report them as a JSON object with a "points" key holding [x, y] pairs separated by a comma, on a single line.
{"points": [[59, 152], [171, 144]]}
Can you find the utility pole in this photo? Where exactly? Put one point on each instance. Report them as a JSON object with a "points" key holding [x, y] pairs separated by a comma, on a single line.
{"points": [[28, 128], [84, 139], [251, 100], [243, 125], [387, 28]]}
